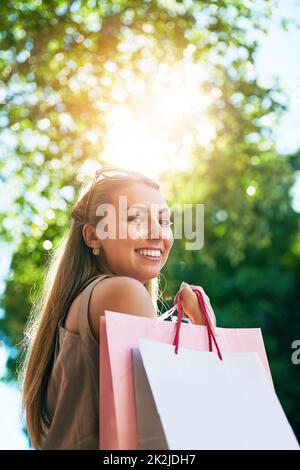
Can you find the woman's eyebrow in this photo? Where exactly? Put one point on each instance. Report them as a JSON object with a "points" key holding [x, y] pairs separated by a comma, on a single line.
{"points": [[144, 207], [165, 209], [137, 206]]}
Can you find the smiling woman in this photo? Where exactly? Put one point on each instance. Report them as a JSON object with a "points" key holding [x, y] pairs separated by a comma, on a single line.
{"points": [[143, 225], [90, 273]]}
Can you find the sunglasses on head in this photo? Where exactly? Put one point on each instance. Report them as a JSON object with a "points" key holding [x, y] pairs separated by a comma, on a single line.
{"points": [[110, 173]]}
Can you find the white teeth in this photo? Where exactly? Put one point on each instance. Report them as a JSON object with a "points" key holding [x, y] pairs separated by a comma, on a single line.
{"points": [[154, 253]]}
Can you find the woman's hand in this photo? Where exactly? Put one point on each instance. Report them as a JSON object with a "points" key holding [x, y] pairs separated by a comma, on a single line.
{"points": [[191, 305]]}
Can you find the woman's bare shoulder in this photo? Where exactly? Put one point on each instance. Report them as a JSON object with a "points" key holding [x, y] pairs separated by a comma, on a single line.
{"points": [[119, 294]]}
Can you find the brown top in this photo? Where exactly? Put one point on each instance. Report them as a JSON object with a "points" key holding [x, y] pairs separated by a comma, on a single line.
{"points": [[72, 403]]}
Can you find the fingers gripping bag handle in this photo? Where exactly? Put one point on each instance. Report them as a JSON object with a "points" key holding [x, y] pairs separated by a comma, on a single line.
{"points": [[210, 328]]}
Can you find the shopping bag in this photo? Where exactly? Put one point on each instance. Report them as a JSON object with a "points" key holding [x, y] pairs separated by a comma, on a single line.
{"points": [[230, 404], [149, 428], [108, 438], [119, 333]]}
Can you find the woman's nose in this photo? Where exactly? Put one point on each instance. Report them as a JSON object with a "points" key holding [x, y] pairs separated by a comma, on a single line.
{"points": [[155, 230]]}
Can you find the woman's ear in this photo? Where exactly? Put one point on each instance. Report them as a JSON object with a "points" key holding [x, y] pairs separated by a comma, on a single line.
{"points": [[90, 236]]}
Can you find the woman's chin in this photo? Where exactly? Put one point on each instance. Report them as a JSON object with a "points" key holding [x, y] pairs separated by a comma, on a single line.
{"points": [[148, 274]]}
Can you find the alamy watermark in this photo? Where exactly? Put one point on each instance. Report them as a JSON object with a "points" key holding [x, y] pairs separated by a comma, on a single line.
{"points": [[152, 222], [296, 354]]}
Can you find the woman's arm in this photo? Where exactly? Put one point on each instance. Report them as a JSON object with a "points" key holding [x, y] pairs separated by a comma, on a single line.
{"points": [[119, 294]]}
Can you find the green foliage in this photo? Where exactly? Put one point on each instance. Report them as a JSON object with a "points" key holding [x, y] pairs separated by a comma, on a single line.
{"points": [[55, 75]]}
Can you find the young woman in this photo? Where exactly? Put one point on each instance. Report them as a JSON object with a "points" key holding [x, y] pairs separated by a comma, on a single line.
{"points": [[91, 273]]}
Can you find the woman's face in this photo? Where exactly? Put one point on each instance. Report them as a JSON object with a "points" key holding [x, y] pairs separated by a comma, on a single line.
{"points": [[147, 237]]}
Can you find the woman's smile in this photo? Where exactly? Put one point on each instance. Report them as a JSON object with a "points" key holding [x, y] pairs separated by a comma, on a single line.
{"points": [[150, 253]]}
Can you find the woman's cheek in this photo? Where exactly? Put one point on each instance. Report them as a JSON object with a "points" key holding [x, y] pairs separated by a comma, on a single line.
{"points": [[170, 239], [168, 242]]}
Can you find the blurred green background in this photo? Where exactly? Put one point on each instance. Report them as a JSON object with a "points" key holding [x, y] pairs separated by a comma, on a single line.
{"points": [[170, 89]]}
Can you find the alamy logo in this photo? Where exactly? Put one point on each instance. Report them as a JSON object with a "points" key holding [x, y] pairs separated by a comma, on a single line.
{"points": [[296, 353], [151, 222]]}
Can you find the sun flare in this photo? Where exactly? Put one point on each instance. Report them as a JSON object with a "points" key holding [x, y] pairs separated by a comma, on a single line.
{"points": [[156, 127]]}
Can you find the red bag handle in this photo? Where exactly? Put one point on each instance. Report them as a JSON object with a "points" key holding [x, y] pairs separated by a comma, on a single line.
{"points": [[210, 330]]}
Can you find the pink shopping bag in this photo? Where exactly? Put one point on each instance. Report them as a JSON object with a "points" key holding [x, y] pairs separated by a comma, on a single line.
{"points": [[119, 333], [107, 419]]}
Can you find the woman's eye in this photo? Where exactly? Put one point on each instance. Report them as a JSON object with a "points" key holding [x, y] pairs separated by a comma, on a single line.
{"points": [[140, 220], [166, 222], [136, 218]]}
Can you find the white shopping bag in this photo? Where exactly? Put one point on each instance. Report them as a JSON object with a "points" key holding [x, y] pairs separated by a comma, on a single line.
{"points": [[205, 403]]}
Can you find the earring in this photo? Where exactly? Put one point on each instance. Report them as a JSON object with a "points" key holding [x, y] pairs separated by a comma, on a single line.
{"points": [[96, 251]]}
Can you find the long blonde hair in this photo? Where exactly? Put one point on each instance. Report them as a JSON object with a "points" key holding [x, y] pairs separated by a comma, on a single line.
{"points": [[70, 267]]}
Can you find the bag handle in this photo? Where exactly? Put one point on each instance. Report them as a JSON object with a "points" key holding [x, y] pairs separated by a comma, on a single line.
{"points": [[169, 312], [210, 329]]}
